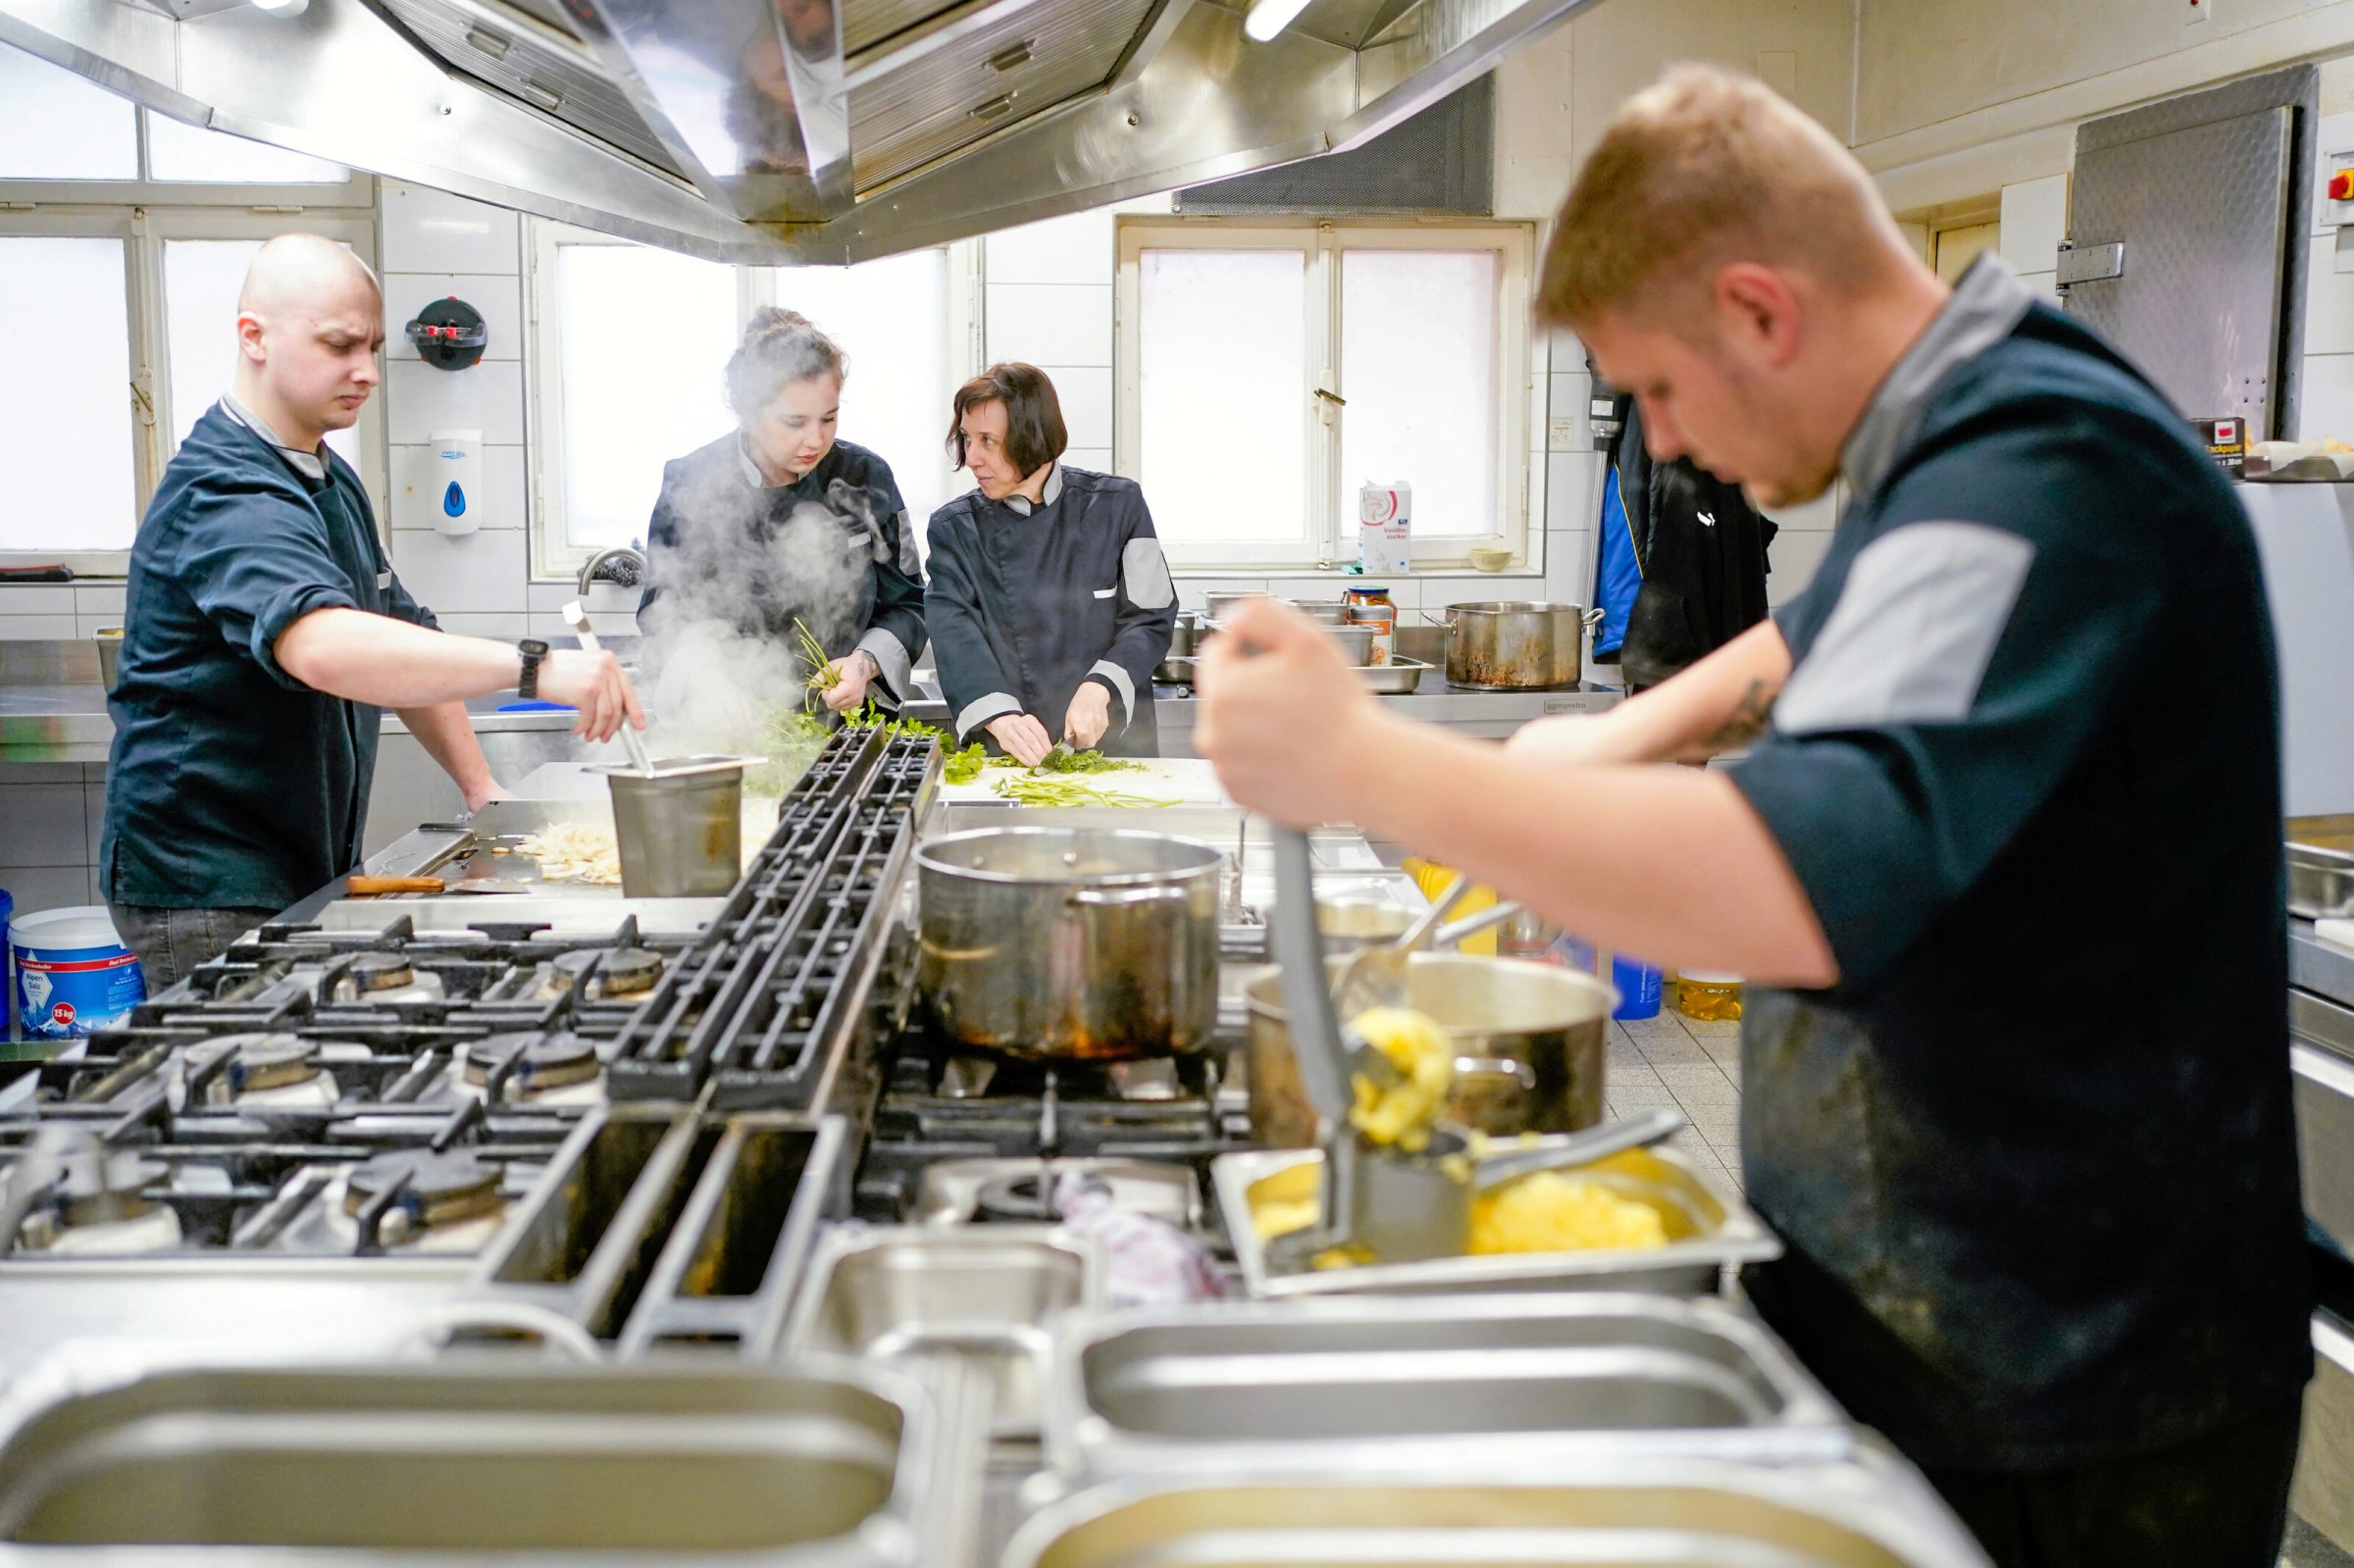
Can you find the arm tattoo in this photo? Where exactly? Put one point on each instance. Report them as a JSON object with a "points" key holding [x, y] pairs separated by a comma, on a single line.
{"points": [[1747, 721]]}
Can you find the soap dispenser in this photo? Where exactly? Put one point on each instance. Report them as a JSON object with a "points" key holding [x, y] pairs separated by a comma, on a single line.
{"points": [[456, 478]]}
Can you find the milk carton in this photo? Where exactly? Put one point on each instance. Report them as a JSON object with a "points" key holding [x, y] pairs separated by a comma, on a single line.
{"points": [[1384, 529]]}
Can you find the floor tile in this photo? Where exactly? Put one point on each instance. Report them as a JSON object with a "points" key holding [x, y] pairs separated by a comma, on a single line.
{"points": [[1676, 1073]]}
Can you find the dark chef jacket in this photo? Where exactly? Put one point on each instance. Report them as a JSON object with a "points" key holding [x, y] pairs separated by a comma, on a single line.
{"points": [[2032, 1156], [715, 513], [1028, 603], [232, 784]]}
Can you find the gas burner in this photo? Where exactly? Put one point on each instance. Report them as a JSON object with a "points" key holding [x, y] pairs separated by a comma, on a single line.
{"points": [[529, 1066], [613, 974], [264, 1071], [416, 1189], [72, 1195], [385, 978], [375, 972]]}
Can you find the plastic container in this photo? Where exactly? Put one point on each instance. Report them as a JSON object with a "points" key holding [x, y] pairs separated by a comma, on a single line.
{"points": [[8, 972], [1708, 996], [1639, 984], [74, 975]]}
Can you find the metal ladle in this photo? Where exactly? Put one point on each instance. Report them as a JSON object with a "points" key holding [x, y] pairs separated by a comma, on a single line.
{"points": [[576, 615], [1398, 1207]]}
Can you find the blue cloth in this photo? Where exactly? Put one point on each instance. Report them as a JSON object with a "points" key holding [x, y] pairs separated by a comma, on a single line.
{"points": [[1618, 570], [232, 784]]}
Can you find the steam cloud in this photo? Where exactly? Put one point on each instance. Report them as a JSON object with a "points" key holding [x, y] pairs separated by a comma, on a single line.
{"points": [[721, 634]]}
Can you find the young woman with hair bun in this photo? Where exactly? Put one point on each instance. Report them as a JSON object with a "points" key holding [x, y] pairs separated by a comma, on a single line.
{"points": [[781, 521]]}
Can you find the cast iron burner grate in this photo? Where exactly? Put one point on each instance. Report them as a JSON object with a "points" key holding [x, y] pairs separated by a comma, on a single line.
{"points": [[757, 1008], [936, 1106]]}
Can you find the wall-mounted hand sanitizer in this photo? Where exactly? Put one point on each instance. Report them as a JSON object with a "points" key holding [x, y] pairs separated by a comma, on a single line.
{"points": [[457, 480]]}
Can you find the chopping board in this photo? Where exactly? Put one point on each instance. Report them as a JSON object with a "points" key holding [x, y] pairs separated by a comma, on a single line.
{"points": [[1180, 781]]}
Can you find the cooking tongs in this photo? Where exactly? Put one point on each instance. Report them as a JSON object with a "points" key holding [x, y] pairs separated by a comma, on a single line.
{"points": [[1400, 1207]]}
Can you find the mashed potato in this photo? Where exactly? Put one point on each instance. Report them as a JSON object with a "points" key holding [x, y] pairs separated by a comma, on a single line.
{"points": [[1417, 1047], [1553, 1212]]}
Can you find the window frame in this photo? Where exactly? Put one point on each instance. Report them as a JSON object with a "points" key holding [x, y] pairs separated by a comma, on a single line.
{"points": [[356, 191], [1523, 361], [554, 557], [144, 227]]}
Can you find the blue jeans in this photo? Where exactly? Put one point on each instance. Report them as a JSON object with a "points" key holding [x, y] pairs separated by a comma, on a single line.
{"points": [[168, 942]]}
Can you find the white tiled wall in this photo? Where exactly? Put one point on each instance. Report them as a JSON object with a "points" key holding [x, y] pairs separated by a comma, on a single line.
{"points": [[2328, 397], [50, 818], [435, 245]]}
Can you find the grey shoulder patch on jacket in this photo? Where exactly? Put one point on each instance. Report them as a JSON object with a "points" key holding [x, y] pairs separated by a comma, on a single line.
{"points": [[1145, 573], [1915, 623]]}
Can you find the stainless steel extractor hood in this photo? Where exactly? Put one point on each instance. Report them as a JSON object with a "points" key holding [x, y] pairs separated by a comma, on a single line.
{"points": [[786, 131]]}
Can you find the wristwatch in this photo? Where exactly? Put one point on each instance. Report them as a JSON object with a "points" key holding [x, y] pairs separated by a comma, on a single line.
{"points": [[533, 651]]}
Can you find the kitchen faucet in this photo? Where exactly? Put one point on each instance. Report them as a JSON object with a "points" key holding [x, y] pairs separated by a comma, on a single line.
{"points": [[629, 572]]}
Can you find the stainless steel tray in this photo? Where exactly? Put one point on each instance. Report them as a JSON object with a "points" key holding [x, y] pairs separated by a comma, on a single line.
{"points": [[2321, 867], [474, 1460], [1710, 1231], [1873, 1511], [1396, 678], [1430, 1379], [987, 1295]]}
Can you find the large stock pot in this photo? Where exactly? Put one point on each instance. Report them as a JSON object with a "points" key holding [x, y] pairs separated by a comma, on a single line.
{"points": [[1094, 944]]}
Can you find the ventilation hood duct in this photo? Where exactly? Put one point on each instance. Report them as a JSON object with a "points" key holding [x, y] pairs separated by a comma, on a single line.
{"points": [[786, 130]]}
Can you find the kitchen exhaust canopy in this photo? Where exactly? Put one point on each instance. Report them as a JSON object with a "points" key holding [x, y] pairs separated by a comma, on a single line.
{"points": [[786, 130]]}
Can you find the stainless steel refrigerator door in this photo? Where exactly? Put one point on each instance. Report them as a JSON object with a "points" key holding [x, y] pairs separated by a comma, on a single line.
{"points": [[2202, 213]]}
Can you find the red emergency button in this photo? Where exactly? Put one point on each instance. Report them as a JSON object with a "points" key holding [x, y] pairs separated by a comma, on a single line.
{"points": [[2342, 186]]}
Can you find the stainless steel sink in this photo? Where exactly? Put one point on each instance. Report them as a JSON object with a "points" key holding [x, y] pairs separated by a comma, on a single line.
{"points": [[1541, 1381], [985, 1296], [791, 1465], [1687, 1514]]}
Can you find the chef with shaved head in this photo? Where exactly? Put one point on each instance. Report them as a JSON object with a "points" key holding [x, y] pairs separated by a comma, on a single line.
{"points": [[265, 630]]}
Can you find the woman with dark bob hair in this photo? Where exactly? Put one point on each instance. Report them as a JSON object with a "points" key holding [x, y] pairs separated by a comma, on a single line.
{"points": [[778, 522], [1050, 601]]}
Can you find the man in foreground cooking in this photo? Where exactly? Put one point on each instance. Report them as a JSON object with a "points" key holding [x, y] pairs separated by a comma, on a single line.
{"points": [[2003, 861], [265, 630]]}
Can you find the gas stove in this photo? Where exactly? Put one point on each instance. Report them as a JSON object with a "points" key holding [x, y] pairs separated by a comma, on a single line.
{"points": [[319, 1095], [967, 1139]]}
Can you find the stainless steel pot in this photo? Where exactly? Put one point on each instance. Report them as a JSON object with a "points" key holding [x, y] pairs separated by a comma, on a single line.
{"points": [[1093, 943], [1551, 1021], [680, 827], [1182, 633], [1506, 645]]}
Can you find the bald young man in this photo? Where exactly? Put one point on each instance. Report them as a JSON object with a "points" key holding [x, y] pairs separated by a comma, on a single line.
{"points": [[2002, 863], [265, 630]]}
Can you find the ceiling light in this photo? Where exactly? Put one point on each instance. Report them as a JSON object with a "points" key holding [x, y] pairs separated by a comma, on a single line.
{"points": [[282, 8], [1268, 18]]}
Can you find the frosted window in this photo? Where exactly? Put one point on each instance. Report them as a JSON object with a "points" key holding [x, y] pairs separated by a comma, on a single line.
{"points": [[1418, 345], [201, 280], [180, 152], [65, 433], [1223, 373], [646, 335], [55, 126], [890, 318]]}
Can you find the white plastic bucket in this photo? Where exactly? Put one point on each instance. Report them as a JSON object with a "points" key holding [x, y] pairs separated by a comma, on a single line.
{"points": [[74, 975]]}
